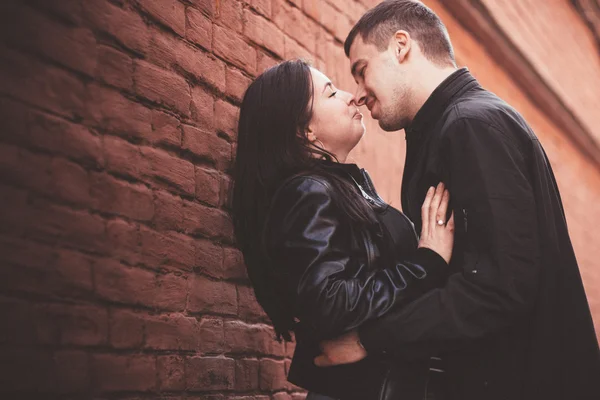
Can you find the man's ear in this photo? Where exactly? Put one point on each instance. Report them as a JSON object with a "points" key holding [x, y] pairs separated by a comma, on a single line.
{"points": [[401, 43]]}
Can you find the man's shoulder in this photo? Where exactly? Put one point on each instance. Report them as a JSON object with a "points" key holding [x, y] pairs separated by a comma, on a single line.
{"points": [[482, 105]]}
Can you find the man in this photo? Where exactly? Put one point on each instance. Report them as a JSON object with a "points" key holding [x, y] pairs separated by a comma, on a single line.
{"points": [[512, 321]]}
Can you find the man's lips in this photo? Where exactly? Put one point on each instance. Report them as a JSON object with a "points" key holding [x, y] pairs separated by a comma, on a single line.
{"points": [[370, 104]]}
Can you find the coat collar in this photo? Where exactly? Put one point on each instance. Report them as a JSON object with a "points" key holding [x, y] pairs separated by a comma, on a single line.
{"points": [[454, 85]]}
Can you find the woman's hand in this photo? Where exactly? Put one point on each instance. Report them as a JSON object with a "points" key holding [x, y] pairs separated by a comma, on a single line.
{"points": [[437, 236]]}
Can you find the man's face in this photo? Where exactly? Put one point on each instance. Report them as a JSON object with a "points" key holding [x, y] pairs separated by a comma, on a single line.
{"points": [[382, 83]]}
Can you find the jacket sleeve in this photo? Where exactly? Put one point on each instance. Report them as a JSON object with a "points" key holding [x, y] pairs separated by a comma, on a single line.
{"points": [[493, 199], [332, 290]]}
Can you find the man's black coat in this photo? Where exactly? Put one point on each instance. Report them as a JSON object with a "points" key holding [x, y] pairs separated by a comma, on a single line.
{"points": [[513, 321]]}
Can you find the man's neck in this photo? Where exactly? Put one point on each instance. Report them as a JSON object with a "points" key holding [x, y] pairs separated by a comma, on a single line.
{"points": [[429, 81]]}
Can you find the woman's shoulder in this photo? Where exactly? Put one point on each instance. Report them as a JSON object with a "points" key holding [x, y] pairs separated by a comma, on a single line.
{"points": [[305, 183]]}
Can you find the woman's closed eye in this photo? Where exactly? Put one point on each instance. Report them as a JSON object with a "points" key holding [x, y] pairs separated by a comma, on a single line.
{"points": [[333, 94]]}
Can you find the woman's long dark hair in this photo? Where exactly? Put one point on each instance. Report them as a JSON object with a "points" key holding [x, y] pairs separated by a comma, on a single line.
{"points": [[272, 146]]}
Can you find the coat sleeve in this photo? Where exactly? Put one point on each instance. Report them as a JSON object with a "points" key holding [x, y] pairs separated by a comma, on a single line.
{"points": [[331, 289], [493, 199]]}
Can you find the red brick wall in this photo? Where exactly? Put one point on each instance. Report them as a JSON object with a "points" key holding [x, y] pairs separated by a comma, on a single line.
{"points": [[119, 274]]}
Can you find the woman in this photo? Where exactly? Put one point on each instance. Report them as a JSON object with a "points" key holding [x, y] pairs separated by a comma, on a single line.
{"points": [[324, 252]]}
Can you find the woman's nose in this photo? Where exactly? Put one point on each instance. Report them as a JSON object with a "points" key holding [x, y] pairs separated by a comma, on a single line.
{"points": [[350, 99]]}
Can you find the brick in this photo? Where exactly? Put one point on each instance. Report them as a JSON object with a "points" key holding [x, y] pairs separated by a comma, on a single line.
{"points": [[59, 136], [171, 373], [119, 283], [162, 86], [72, 273], [122, 157], [52, 273], [122, 198], [58, 224], [208, 7], [203, 108], [29, 370], [125, 26], [172, 290], [208, 146], [114, 372], [169, 249], [206, 221], [236, 84], [226, 117], [123, 240], [290, 348], [168, 53], [244, 338], [233, 264], [77, 325], [272, 375], [168, 171], [171, 13], [264, 62], [262, 6], [198, 28], [209, 258], [249, 309], [212, 336], [41, 84], [227, 188], [126, 329], [114, 68], [233, 48], [73, 47], [24, 168], [108, 110], [166, 129], [229, 15], [18, 326], [172, 332], [70, 181], [69, 10], [210, 373], [15, 213], [14, 122], [208, 186], [294, 50], [295, 24], [246, 375], [72, 371], [263, 33], [168, 211], [212, 296]]}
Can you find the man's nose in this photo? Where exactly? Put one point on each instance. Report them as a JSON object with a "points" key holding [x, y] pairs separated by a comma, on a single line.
{"points": [[361, 96]]}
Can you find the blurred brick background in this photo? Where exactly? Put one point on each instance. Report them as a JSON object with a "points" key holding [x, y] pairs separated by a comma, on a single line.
{"points": [[119, 277]]}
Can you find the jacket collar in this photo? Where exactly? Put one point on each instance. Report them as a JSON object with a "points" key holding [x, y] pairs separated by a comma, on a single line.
{"points": [[458, 82]]}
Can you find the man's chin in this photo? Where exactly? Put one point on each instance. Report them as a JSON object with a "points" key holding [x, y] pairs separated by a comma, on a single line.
{"points": [[388, 127]]}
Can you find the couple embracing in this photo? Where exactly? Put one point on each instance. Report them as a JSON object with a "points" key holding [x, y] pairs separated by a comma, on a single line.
{"points": [[472, 292]]}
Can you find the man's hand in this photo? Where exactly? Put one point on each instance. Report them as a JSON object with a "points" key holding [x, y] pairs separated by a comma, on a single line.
{"points": [[345, 349]]}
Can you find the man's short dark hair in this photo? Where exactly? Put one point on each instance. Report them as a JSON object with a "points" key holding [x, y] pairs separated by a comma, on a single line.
{"points": [[378, 25]]}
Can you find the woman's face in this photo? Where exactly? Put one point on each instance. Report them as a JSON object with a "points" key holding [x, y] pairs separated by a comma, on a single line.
{"points": [[336, 123]]}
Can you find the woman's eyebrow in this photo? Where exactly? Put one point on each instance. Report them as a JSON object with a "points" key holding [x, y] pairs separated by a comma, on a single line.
{"points": [[326, 85]]}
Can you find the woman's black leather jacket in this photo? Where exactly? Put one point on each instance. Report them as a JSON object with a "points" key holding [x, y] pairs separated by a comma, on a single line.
{"points": [[337, 275]]}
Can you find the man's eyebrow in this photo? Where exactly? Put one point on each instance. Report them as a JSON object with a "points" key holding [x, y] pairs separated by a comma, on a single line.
{"points": [[328, 84], [356, 65]]}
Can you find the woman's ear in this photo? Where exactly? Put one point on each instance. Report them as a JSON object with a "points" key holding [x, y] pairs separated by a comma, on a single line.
{"points": [[310, 135]]}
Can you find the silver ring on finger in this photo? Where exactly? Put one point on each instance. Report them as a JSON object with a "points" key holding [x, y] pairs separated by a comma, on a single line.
{"points": [[440, 222]]}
